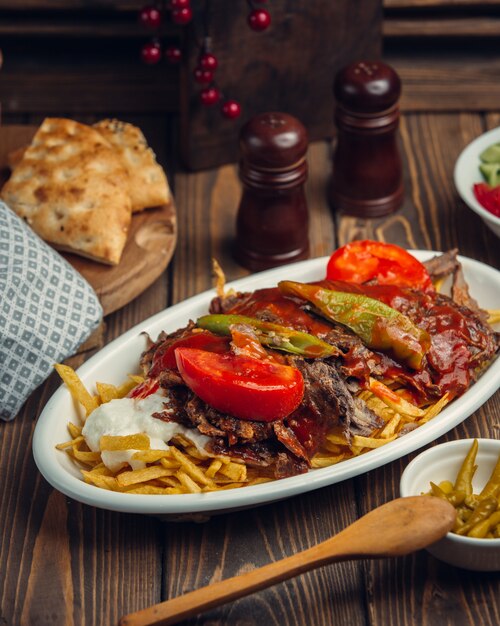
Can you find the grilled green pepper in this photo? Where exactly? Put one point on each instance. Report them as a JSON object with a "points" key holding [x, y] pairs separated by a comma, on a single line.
{"points": [[379, 326], [271, 335]]}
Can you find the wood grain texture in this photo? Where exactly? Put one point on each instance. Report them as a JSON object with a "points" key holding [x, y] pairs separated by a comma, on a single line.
{"points": [[272, 71], [56, 74], [439, 4], [65, 563], [447, 78], [71, 5], [411, 26]]}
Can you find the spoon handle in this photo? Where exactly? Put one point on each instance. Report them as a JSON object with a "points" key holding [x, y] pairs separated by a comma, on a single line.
{"points": [[393, 529], [205, 598]]}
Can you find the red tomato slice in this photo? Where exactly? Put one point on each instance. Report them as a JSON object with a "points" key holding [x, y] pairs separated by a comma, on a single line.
{"points": [[244, 387], [488, 197], [205, 340], [144, 389], [361, 261]]}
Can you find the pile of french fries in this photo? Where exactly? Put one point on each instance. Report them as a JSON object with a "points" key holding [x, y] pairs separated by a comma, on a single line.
{"points": [[182, 468]]}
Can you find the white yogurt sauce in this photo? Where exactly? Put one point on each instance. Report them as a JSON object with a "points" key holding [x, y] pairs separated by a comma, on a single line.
{"points": [[129, 416]]}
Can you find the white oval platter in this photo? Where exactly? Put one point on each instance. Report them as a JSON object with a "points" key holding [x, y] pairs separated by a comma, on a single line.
{"points": [[120, 358]]}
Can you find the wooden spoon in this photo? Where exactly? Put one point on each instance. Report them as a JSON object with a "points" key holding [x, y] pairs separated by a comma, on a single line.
{"points": [[393, 529]]}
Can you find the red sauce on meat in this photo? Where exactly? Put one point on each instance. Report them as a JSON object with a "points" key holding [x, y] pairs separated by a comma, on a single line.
{"points": [[458, 337]]}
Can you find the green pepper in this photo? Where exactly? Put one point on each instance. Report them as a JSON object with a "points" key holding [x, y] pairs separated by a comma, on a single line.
{"points": [[482, 528], [467, 470], [271, 335], [454, 497], [482, 512], [379, 326], [492, 487]]}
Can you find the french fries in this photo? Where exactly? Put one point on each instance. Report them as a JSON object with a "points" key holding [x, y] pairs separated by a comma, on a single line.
{"points": [[181, 468]]}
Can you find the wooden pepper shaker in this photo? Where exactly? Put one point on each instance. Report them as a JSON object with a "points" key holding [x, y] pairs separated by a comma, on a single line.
{"points": [[367, 171], [272, 221]]}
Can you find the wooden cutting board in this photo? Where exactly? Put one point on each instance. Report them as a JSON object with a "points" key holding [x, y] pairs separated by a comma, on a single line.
{"points": [[150, 245]]}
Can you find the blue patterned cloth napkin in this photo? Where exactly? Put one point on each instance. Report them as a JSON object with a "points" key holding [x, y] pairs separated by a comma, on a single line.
{"points": [[47, 310]]}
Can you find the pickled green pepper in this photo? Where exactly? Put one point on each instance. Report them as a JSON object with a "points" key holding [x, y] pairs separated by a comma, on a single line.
{"points": [[271, 335], [379, 326]]}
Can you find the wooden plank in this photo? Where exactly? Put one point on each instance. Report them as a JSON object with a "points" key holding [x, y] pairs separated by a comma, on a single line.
{"points": [[298, 55], [113, 26], [71, 5], [225, 546], [439, 4], [81, 75], [104, 91], [428, 27], [453, 81]]}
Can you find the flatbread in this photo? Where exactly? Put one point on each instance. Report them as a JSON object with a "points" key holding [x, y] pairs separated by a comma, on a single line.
{"points": [[72, 189], [148, 183], [15, 157]]}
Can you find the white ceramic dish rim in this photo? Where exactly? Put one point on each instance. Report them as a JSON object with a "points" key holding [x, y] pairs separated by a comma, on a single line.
{"points": [[46, 457], [466, 172], [444, 447]]}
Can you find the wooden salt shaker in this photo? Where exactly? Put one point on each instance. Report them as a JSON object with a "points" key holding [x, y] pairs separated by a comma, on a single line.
{"points": [[367, 171], [272, 221]]}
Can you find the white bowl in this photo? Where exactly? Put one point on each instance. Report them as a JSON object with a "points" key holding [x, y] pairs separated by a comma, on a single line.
{"points": [[467, 174], [442, 462]]}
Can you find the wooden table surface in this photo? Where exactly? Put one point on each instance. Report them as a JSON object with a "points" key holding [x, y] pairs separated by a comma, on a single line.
{"points": [[64, 563]]}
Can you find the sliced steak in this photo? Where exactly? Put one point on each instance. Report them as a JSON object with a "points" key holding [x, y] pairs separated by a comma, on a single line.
{"points": [[214, 424], [328, 403], [461, 296], [442, 265], [267, 454]]}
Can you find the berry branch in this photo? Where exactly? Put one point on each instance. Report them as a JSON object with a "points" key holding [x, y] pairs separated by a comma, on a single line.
{"points": [[181, 13]]}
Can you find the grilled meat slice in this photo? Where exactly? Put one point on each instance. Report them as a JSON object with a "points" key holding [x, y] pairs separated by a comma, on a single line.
{"points": [[447, 264], [267, 454], [327, 403], [214, 424], [442, 265], [163, 342], [460, 294]]}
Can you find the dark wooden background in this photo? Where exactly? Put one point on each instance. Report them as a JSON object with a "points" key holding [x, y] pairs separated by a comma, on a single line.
{"points": [[66, 564], [80, 58]]}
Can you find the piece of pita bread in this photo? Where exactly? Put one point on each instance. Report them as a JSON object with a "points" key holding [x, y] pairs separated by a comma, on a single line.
{"points": [[15, 157], [72, 189], [148, 183]]}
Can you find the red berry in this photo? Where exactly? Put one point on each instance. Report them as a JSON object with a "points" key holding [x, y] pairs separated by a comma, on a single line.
{"points": [[151, 53], [179, 4], [203, 76], [209, 96], [182, 16], [259, 19], [231, 109], [150, 16], [208, 62], [173, 54]]}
